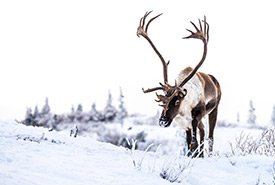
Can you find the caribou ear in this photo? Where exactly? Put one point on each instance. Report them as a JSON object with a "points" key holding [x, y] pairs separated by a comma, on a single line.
{"points": [[183, 93]]}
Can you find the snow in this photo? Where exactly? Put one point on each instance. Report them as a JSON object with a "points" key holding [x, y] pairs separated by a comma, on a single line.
{"points": [[235, 170], [33, 155]]}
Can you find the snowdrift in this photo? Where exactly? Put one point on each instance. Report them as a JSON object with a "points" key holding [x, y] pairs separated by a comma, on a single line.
{"points": [[32, 155]]}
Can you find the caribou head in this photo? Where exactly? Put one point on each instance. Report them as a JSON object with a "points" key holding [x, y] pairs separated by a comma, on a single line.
{"points": [[173, 96]]}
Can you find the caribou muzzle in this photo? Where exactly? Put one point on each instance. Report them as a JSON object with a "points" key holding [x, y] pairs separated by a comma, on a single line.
{"points": [[164, 122]]}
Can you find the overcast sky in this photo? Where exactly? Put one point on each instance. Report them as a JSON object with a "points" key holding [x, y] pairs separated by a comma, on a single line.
{"points": [[74, 51]]}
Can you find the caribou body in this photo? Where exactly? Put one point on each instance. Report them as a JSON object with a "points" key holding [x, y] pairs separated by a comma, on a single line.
{"points": [[194, 95]]}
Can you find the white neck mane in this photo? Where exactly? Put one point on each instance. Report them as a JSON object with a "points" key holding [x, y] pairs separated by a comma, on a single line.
{"points": [[194, 94]]}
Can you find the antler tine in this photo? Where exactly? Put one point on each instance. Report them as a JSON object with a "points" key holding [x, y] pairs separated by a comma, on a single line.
{"points": [[193, 33], [200, 24], [151, 21], [200, 34], [206, 29], [144, 18], [161, 98], [204, 36], [141, 24], [152, 89], [204, 20], [195, 25]]}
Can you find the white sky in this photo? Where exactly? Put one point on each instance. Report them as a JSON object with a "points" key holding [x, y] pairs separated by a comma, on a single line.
{"points": [[74, 51]]}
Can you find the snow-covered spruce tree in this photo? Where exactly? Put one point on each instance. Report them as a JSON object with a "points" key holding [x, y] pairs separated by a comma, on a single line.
{"points": [[251, 116], [122, 112], [94, 114], [273, 116], [238, 117], [72, 109], [46, 108], [36, 116], [79, 108], [71, 116], [29, 119], [36, 113], [109, 111], [79, 111], [45, 115]]}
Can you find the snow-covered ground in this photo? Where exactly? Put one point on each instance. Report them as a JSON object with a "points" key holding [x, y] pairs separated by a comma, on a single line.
{"points": [[32, 155]]}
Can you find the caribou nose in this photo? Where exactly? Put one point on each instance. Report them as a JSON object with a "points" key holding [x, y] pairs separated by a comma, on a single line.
{"points": [[163, 122]]}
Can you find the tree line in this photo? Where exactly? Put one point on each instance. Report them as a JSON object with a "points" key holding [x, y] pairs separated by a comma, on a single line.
{"points": [[109, 114], [46, 118], [252, 118]]}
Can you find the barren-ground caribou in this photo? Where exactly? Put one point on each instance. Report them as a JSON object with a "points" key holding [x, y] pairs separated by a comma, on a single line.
{"points": [[194, 95]]}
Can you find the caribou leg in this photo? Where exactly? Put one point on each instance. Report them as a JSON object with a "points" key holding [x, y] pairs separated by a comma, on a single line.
{"points": [[212, 123], [189, 139], [202, 133], [197, 114], [194, 142]]}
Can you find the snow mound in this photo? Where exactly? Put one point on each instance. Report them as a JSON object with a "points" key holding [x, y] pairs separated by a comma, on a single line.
{"points": [[32, 155]]}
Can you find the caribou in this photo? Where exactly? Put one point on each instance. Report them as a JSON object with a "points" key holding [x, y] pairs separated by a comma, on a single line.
{"points": [[194, 95]]}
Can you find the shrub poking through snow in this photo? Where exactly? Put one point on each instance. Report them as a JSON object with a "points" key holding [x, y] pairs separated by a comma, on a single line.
{"points": [[179, 167], [37, 139], [246, 144], [74, 131], [137, 163], [174, 169]]}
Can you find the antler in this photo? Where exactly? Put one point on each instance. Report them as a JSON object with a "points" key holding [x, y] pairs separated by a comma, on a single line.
{"points": [[142, 32], [202, 35], [172, 91]]}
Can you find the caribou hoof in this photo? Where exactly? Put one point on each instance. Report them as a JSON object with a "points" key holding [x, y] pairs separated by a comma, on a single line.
{"points": [[193, 149]]}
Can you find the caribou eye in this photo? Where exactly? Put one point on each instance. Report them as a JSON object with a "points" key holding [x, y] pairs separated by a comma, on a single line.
{"points": [[177, 102]]}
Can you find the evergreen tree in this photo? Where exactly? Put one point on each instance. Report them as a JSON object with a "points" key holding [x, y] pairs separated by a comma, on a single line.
{"points": [[94, 114], [110, 111], [238, 117], [273, 116], [36, 113], [122, 112], [72, 115], [29, 119], [72, 109], [46, 109], [79, 108], [252, 115], [79, 115]]}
